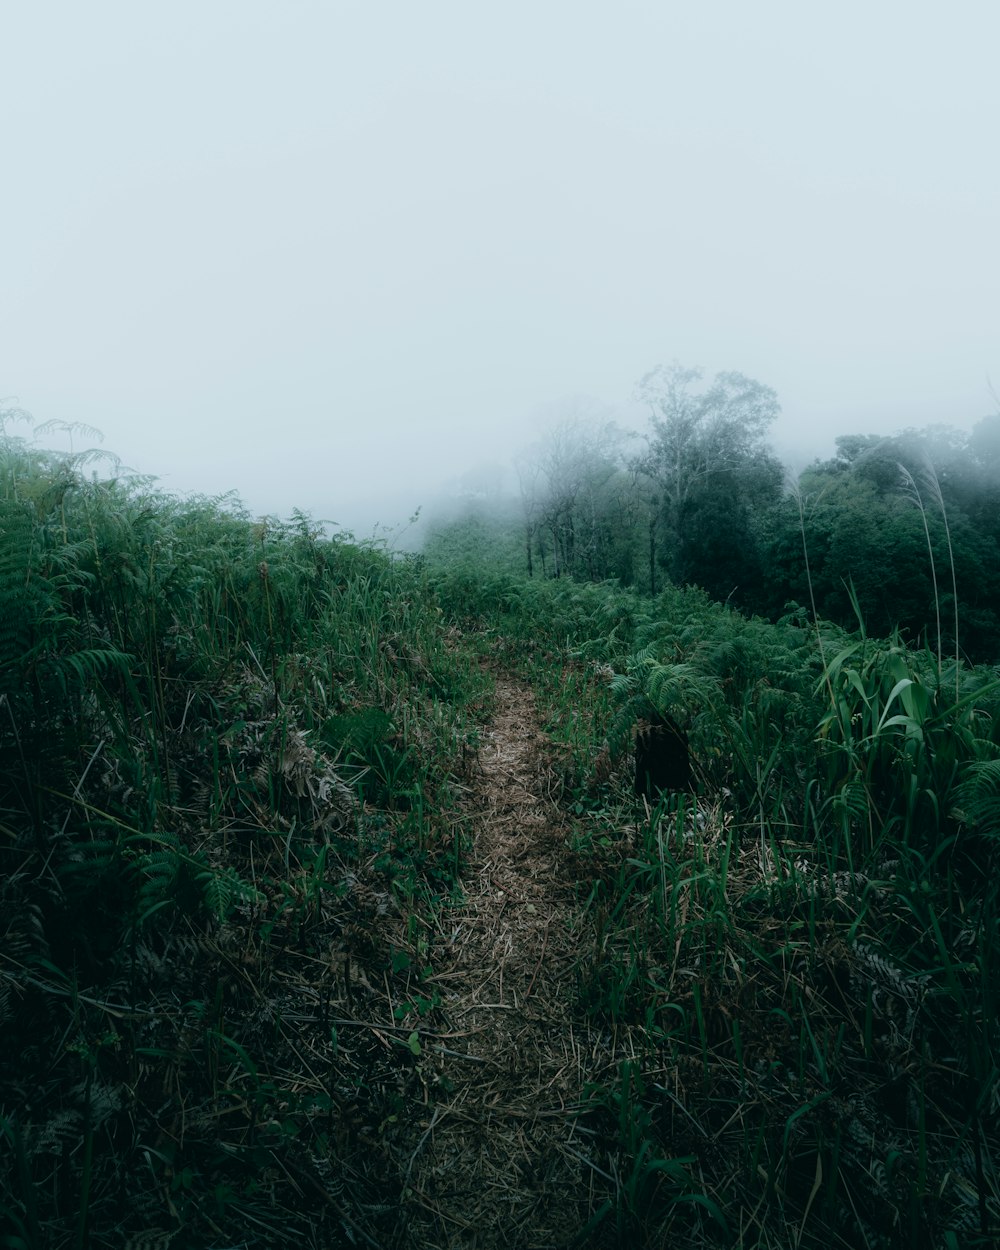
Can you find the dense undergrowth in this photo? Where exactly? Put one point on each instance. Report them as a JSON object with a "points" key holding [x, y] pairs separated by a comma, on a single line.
{"points": [[225, 754], [798, 962], [229, 752]]}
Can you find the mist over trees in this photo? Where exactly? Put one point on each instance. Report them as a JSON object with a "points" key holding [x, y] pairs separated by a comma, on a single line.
{"points": [[712, 475], [569, 484], [900, 531]]}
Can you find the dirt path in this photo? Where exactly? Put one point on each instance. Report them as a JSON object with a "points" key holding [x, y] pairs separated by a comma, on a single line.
{"points": [[497, 1163]]}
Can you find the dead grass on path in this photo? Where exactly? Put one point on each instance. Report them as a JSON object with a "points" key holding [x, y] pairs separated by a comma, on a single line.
{"points": [[497, 1162]]}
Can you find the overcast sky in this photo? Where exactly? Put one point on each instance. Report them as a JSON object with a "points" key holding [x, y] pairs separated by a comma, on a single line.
{"points": [[330, 254]]}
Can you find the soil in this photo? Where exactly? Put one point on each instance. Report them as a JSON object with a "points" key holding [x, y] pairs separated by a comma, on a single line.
{"points": [[498, 1161]]}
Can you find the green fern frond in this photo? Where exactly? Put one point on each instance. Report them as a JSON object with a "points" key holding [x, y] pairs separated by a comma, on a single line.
{"points": [[978, 796], [216, 892], [649, 689], [80, 667], [223, 889], [623, 685], [853, 799], [23, 601]]}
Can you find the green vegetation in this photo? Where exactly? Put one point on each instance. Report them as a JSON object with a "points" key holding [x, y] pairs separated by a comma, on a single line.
{"points": [[232, 755], [702, 500], [800, 961], [226, 748]]}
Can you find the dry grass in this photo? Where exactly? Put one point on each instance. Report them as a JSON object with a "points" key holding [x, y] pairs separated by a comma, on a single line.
{"points": [[497, 1160]]}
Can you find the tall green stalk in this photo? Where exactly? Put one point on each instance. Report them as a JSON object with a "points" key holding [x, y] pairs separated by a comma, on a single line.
{"points": [[914, 494]]}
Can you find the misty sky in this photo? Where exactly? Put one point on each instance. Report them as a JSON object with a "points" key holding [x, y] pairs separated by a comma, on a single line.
{"points": [[331, 254]]}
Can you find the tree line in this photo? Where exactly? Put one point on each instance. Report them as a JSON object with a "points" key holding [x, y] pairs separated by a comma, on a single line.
{"points": [[900, 531]]}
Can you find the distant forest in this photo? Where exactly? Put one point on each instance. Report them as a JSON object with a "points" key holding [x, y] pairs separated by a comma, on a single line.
{"points": [[900, 531]]}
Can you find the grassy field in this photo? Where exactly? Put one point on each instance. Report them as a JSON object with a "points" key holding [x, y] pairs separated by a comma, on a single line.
{"points": [[241, 798]]}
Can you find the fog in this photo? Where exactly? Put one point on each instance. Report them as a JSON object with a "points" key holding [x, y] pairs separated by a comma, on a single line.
{"points": [[333, 255]]}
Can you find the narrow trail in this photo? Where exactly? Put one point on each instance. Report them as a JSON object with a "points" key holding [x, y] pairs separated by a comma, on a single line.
{"points": [[498, 1163]]}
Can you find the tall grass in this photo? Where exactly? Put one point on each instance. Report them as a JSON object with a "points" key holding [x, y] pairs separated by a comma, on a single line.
{"points": [[796, 966], [229, 751], [226, 746]]}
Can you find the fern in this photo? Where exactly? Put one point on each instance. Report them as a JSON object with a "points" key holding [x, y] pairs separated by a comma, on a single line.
{"points": [[217, 892], [650, 688], [978, 797], [170, 876], [80, 667], [222, 889], [160, 871], [23, 598]]}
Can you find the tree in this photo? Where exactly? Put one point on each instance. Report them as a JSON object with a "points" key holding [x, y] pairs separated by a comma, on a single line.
{"points": [[567, 496], [529, 473], [714, 473], [984, 447], [917, 567]]}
